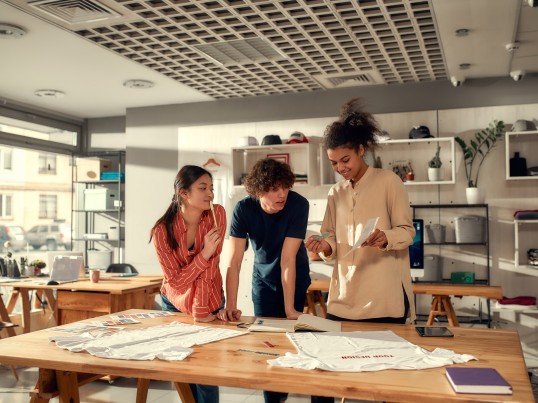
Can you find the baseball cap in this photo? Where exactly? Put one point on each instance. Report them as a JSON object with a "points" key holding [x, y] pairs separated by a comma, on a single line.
{"points": [[246, 141], [523, 126], [297, 137], [419, 132], [271, 139]]}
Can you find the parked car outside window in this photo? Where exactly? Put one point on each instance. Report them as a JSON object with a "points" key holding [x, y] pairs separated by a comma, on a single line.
{"points": [[15, 235], [52, 236]]}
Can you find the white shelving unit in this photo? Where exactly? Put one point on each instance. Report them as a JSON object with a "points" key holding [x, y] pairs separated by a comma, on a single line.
{"points": [[526, 144], [520, 250], [419, 152], [88, 222], [306, 159]]}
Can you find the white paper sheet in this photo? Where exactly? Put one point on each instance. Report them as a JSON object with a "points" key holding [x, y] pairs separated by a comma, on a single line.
{"points": [[365, 233]]}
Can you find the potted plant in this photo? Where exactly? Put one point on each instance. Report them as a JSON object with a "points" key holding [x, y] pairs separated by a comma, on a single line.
{"points": [[474, 154], [434, 166]]}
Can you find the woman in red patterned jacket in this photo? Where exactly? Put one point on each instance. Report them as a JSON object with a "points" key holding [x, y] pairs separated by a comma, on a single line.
{"points": [[188, 241]]}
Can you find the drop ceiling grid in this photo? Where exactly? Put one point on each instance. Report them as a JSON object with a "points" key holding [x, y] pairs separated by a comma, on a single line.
{"points": [[319, 37]]}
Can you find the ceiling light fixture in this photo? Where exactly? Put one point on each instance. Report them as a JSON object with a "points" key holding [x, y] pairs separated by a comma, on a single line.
{"points": [[512, 46], [49, 93], [138, 84], [9, 31], [462, 32], [465, 66]]}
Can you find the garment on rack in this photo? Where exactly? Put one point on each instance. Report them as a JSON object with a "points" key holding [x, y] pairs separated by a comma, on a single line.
{"points": [[362, 351]]}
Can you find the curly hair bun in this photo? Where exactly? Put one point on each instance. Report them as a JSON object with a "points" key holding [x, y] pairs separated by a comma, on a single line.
{"points": [[350, 107]]}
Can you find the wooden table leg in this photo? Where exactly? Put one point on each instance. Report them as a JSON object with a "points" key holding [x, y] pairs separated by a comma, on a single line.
{"points": [[5, 317], [184, 392], [433, 311], [442, 306], [12, 301], [311, 306], [25, 314], [142, 390], [67, 386], [450, 313]]}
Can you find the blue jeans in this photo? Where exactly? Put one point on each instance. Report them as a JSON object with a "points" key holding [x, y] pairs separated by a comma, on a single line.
{"points": [[201, 393]]}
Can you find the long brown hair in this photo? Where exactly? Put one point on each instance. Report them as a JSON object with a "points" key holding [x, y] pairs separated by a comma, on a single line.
{"points": [[184, 180]]}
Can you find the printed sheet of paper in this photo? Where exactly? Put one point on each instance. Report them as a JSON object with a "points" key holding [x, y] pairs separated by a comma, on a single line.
{"points": [[366, 231]]}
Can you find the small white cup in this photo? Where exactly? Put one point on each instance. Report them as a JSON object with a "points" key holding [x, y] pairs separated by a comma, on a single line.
{"points": [[94, 275]]}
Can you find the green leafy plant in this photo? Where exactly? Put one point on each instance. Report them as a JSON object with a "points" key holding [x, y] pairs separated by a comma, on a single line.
{"points": [[480, 146], [38, 263], [436, 162]]}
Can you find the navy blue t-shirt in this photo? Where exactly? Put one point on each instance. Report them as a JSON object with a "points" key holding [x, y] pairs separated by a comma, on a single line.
{"points": [[267, 233]]}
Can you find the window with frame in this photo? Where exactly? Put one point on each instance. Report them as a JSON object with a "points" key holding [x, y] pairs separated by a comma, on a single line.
{"points": [[48, 205], [5, 205], [6, 158], [47, 164]]}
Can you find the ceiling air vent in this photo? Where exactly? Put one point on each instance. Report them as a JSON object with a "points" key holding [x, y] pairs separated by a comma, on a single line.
{"points": [[234, 53], [341, 80], [75, 11]]}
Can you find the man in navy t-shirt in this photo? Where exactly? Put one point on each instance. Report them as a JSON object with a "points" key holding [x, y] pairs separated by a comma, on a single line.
{"points": [[274, 218]]}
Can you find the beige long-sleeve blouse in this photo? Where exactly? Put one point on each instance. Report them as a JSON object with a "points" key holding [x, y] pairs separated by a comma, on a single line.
{"points": [[369, 282]]}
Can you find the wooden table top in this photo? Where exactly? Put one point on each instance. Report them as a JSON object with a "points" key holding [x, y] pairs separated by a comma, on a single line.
{"points": [[487, 291], [458, 290], [119, 285], [221, 363]]}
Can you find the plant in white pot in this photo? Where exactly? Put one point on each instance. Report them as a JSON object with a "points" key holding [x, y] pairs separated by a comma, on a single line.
{"points": [[474, 154], [434, 167]]}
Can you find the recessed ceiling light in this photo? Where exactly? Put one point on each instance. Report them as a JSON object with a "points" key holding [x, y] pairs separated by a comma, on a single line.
{"points": [[9, 31], [462, 32], [138, 84], [49, 93]]}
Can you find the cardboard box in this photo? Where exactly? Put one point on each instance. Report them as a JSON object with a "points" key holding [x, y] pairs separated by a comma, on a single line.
{"points": [[99, 199], [90, 169]]}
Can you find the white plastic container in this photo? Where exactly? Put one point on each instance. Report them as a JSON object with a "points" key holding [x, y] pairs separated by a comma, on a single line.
{"points": [[99, 259], [470, 229], [99, 199]]}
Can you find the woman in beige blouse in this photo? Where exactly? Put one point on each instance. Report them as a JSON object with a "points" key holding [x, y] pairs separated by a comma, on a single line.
{"points": [[372, 282]]}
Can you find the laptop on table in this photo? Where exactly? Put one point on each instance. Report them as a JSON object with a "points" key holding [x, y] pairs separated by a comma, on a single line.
{"points": [[65, 269]]}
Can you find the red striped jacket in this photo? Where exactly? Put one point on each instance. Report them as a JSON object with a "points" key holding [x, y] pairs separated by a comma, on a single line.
{"points": [[192, 284]]}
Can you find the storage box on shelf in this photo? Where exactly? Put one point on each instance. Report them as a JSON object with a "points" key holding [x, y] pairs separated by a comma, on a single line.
{"points": [[90, 169], [307, 160], [418, 152]]}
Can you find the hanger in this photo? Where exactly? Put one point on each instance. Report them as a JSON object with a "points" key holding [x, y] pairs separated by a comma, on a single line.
{"points": [[211, 161]]}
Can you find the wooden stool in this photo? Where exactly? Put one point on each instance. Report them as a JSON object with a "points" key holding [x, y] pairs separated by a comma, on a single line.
{"points": [[442, 306]]}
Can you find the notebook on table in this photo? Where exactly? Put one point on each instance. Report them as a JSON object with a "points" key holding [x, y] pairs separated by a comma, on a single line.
{"points": [[65, 269]]}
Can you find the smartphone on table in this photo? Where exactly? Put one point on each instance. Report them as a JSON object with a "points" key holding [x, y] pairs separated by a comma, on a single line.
{"points": [[434, 331]]}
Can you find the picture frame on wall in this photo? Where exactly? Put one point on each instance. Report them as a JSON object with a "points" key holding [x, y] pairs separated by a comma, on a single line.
{"points": [[285, 158]]}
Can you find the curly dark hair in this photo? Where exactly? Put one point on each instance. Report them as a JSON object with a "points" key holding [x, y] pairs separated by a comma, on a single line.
{"points": [[353, 128], [268, 174]]}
